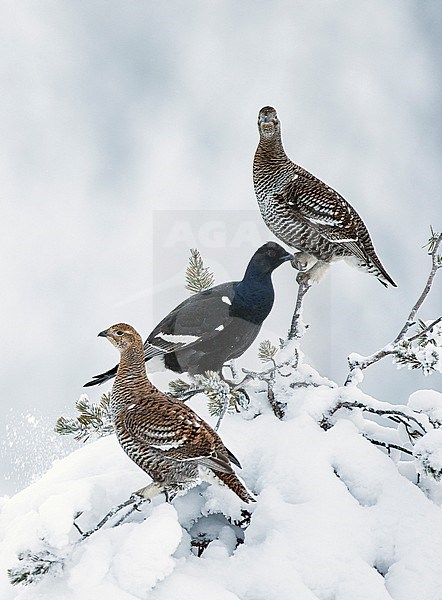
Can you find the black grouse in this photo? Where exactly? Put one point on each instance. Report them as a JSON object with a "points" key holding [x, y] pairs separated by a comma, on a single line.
{"points": [[305, 213], [216, 325]]}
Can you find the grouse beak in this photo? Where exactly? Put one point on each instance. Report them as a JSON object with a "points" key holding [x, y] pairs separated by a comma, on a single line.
{"points": [[103, 333], [286, 257], [266, 126]]}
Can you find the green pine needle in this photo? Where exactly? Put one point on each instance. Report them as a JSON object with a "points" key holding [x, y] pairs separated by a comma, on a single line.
{"points": [[266, 351], [198, 277], [93, 420], [431, 244]]}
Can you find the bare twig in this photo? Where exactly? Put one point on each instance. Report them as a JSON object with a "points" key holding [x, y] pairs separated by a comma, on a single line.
{"points": [[296, 330], [277, 406], [233, 369], [389, 446], [392, 414], [435, 265], [34, 565], [135, 502], [268, 376], [223, 412], [424, 330], [361, 363]]}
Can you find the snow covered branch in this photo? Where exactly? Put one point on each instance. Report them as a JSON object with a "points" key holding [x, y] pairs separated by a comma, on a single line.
{"points": [[436, 264], [93, 421], [421, 350], [222, 397], [208, 519], [33, 566]]}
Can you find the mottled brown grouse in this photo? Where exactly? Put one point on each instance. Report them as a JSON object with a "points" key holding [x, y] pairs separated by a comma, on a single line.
{"points": [[163, 436], [307, 214]]}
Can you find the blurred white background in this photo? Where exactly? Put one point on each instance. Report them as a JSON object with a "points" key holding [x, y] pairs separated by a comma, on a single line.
{"points": [[114, 111]]}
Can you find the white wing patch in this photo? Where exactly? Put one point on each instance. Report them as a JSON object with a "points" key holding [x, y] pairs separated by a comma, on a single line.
{"points": [[219, 328], [170, 445], [226, 300], [324, 221], [176, 339]]}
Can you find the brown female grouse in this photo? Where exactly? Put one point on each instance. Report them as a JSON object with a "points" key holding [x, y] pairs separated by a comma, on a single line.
{"points": [[164, 437], [307, 214]]}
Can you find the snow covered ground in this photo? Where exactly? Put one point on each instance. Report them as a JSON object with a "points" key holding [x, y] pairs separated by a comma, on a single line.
{"points": [[336, 517]]}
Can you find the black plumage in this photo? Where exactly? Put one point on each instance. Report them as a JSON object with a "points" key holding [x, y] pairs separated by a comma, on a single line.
{"points": [[305, 213], [216, 325]]}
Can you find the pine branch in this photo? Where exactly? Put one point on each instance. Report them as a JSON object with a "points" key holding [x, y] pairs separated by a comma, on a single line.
{"points": [[135, 501], [198, 277], [266, 351], [182, 390], [221, 397], [93, 420], [34, 566]]}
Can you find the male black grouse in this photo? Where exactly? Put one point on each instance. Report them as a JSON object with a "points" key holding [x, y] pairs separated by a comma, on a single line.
{"points": [[305, 213], [216, 325]]}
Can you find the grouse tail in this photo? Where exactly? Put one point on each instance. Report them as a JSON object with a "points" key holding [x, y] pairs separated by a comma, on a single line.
{"points": [[232, 481], [99, 379]]}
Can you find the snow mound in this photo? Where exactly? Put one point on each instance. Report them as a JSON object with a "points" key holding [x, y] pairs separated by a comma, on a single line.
{"points": [[334, 519]]}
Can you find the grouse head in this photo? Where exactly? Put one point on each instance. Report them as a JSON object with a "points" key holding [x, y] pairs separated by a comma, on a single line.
{"points": [[268, 257], [122, 336], [268, 123]]}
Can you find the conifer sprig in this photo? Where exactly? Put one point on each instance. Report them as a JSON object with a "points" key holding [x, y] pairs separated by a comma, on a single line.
{"points": [[266, 351], [221, 398], [198, 277], [33, 566], [93, 420]]}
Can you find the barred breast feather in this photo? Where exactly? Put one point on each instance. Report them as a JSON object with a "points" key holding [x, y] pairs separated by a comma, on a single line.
{"points": [[304, 212]]}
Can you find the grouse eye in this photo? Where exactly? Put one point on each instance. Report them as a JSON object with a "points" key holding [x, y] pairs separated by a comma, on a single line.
{"points": [[119, 332]]}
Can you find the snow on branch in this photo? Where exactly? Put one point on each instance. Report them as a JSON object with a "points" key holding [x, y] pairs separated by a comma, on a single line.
{"points": [[290, 388], [93, 421], [222, 398], [423, 350], [414, 425], [33, 566]]}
